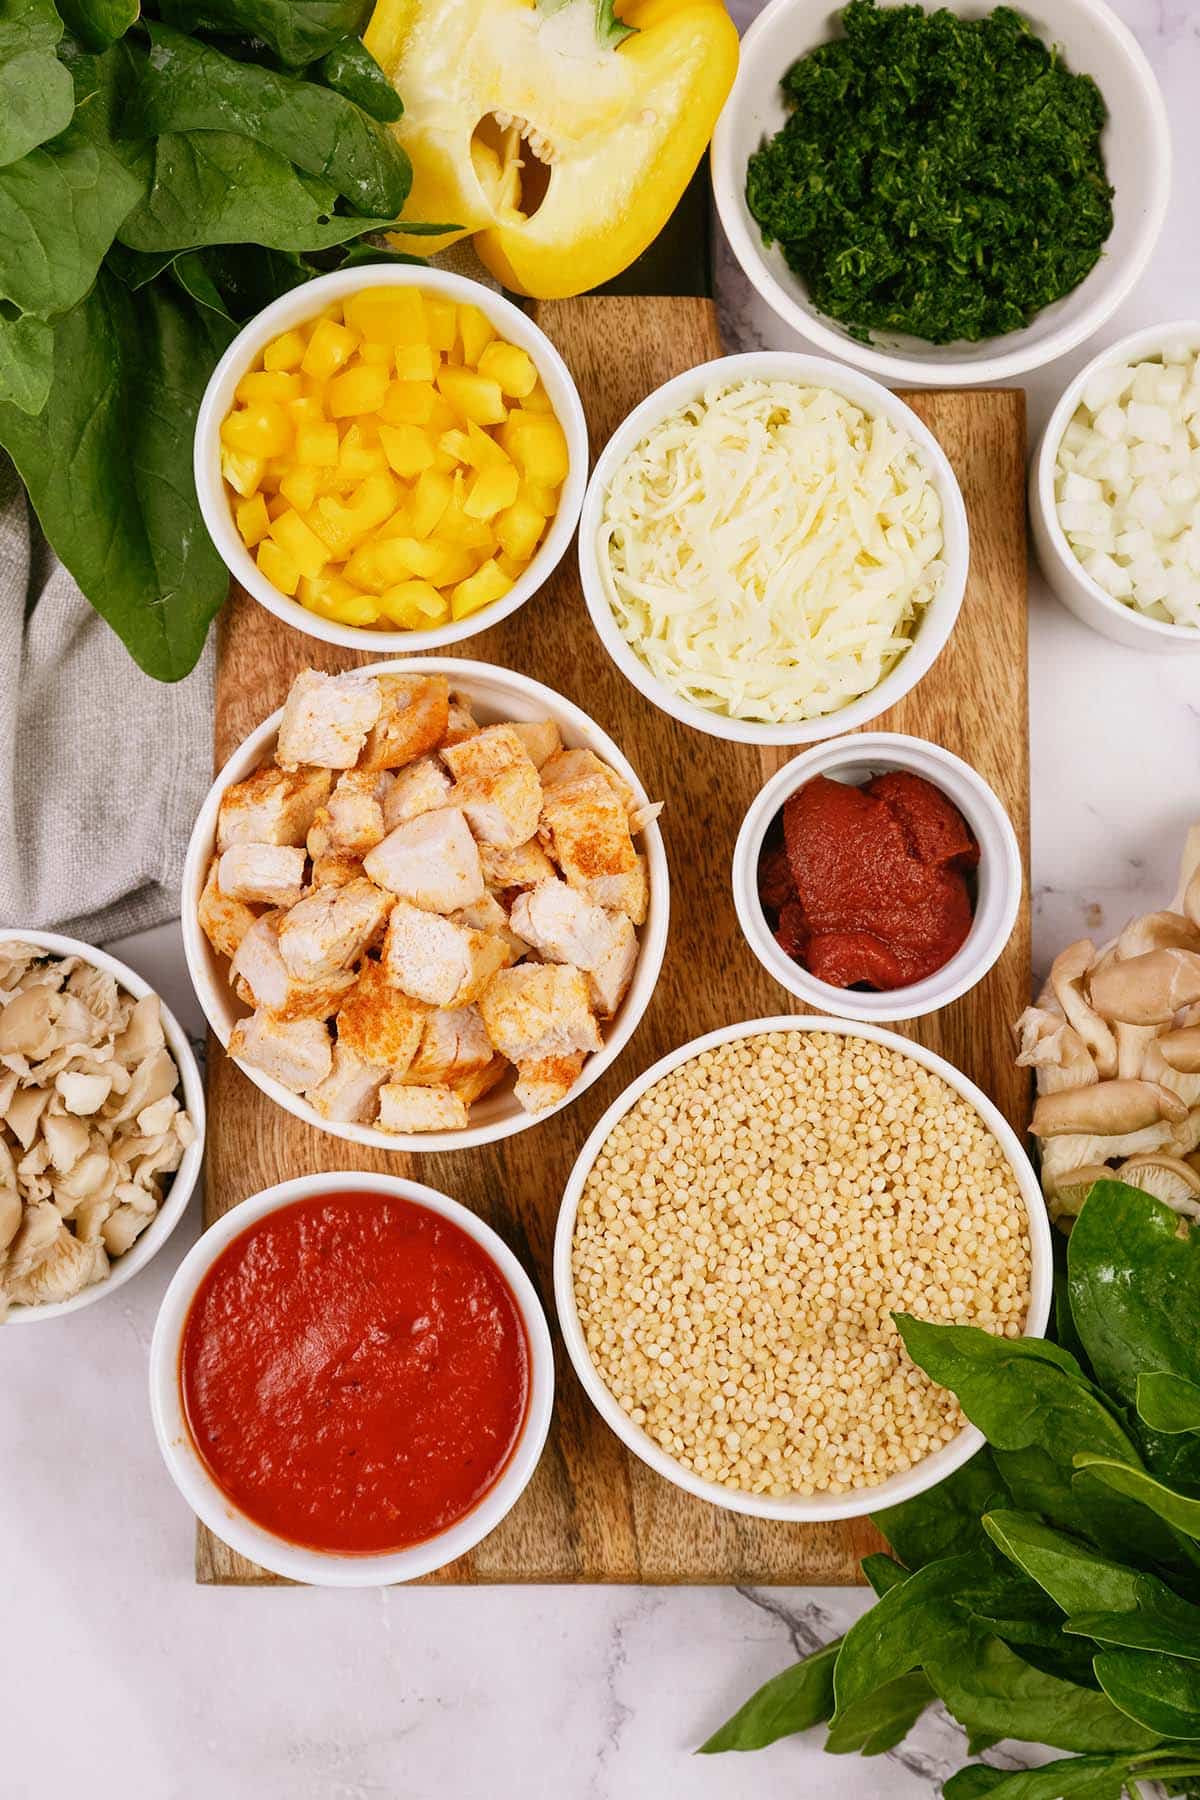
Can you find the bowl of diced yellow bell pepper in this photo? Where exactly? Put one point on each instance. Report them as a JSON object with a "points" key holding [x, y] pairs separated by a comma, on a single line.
{"points": [[391, 457]]}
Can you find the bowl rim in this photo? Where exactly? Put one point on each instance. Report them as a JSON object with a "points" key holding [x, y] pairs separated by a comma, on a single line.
{"points": [[209, 1501], [813, 1508], [652, 941], [174, 1203], [890, 749], [309, 299], [1133, 346], [937, 621], [951, 371]]}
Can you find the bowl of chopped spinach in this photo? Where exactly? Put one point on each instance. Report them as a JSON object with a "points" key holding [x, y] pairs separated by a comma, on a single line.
{"points": [[951, 196]]}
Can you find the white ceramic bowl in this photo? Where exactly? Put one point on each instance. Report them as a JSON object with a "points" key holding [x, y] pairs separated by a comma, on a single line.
{"points": [[213, 1506], [998, 880], [182, 1183], [494, 694], [1062, 569], [802, 1508], [1137, 152], [936, 622], [305, 303]]}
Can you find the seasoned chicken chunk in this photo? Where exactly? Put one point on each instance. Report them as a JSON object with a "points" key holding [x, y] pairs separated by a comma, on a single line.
{"points": [[336, 871], [380, 1024], [571, 765], [431, 861], [350, 1091], [546, 1083], [351, 821], [565, 927], [496, 785], [488, 915], [538, 1010], [262, 874], [412, 720], [326, 719], [224, 922], [422, 787], [588, 831], [523, 867], [461, 722], [298, 1053], [331, 929], [540, 738], [272, 806], [435, 960], [454, 1048], [479, 1082], [263, 979], [421, 1109]]}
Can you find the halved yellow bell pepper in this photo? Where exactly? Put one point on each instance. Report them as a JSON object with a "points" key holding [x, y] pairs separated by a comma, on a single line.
{"points": [[557, 134]]}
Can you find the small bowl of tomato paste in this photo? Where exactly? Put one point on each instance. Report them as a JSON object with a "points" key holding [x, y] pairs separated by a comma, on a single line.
{"points": [[877, 876], [351, 1379]]}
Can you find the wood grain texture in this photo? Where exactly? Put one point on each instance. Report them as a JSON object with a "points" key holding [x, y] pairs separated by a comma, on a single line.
{"points": [[593, 1513]]}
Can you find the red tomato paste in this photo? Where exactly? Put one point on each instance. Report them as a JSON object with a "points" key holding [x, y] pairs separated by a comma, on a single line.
{"points": [[867, 886], [355, 1372]]}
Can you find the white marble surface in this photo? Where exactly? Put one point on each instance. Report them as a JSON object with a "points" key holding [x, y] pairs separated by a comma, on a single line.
{"points": [[118, 1677]]}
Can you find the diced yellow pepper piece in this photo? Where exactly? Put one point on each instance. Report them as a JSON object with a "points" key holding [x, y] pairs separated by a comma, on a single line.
{"points": [[473, 396], [300, 487], [512, 568], [264, 429], [328, 349], [336, 524], [407, 449], [308, 410], [354, 609], [488, 583], [391, 315], [475, 333], [435, 561], [285, 352], [278, 569], [277, 505], [441, 322], [299, 544], [322, 592], [537, 400], [264, 384], [252, 520], [317, 445], [358, 390], [430, 498], [483, 452], [243, 473], [512, 367], [358, 456], [408, 403], [456, 445], [375, 355], [490, 492], [380, 564], [376, 499], [414, 605], [458, 528], [543, 499], [416, 362], [538, 445], [519, 528]]}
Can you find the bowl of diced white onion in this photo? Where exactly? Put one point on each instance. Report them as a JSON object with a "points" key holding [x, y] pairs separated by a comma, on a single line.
{"points": [[1114, 491]]}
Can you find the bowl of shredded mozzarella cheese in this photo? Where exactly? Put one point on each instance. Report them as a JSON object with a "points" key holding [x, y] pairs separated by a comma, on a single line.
{"points": [[1114, 491], [773, 548]]}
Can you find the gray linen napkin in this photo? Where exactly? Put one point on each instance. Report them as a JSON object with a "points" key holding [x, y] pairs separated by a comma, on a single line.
{"points": [[102, 770]]}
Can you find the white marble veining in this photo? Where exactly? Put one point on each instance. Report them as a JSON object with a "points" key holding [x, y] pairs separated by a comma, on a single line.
{"points": [[118, 1677]]}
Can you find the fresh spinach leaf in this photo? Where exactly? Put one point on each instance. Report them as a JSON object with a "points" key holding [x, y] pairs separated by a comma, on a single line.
{"points": [[298, 31], [108, 466], [883, 1573], [1168, 1403], [217, 187], [880, 1721], [997, 1692], [1073, 1778], [189, 86], [793, 1701], [1159, 1692], [1135, 1288], [26, 362], [945, 1520], [37, 99], [350, 69], [99, 23], [28, 25], [1179, 1510], [1072, 1573], [249, 277], [1160, 1620], [904, 1630]]}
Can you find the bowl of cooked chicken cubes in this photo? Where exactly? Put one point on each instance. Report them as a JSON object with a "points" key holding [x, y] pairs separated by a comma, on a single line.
{"points": [[425, 904]]}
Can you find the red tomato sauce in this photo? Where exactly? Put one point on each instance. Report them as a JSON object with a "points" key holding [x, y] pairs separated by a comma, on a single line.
{"points": [[355, 1372]]}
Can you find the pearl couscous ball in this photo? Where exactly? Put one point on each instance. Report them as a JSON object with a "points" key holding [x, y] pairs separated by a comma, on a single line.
{"points": [[745, 1235]]}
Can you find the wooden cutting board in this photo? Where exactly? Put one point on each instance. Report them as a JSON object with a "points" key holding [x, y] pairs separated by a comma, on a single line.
{"points": [[593, 1512]]}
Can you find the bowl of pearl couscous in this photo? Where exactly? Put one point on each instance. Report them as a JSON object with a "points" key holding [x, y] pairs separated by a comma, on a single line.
{"points": [[740, 1228]]}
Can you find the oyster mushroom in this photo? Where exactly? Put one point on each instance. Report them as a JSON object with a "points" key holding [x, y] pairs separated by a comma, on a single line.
{"points": [[1066, 983], [1107, 1108], [1148, 989], [1181, 1049], [1168, 1178], [1158, 931]]}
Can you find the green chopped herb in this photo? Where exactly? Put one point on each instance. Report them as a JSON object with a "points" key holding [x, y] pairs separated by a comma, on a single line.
{"points": [[938, 176]]}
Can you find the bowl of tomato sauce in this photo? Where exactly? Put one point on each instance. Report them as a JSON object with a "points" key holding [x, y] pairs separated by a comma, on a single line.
{"points": [[351, 1379]]}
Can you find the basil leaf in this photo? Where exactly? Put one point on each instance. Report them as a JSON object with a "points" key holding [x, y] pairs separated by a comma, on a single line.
{"points": [[1072, 1778], [189, 86], [99, 23], [1135, 1288], [945, 1520], [1160, 1692], [298, 31], [879, 1722], [998, 1692], [800, 1697], [108, 466], [350, 69], [26, 362], [62, 204], [37, 100], [217, 187], [1168, 1403]]}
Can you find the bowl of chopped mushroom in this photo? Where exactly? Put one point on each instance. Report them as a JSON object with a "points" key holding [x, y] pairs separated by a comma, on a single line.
{"points": [[101, 1125], [425, 904]]}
